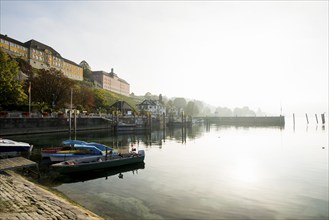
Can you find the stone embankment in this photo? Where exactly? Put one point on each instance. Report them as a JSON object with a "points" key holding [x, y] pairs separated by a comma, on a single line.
{"points": [[22, 199]]}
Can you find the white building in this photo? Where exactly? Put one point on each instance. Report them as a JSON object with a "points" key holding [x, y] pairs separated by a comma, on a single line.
{"points": [[152, 106]]}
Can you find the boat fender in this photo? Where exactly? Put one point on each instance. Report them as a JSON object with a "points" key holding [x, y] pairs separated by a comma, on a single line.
{"points": [[70, 162]]}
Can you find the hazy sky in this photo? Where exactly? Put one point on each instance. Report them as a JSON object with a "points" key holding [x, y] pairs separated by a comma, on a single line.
{"points": [[262, 54]]}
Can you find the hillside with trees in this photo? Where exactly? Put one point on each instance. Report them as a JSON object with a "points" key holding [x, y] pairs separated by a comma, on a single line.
{"points": [[50, 89], [51, 92]]}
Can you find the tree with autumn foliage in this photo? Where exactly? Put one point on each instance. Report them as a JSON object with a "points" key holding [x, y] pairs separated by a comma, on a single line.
{"points": [[85, 98], [51, 87]]}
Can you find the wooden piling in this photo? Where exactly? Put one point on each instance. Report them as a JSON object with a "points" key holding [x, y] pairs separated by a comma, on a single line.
{"points": [[293, 117], [323, 119], [306, 118], [316, 117], [75, 122], [164, 120]]}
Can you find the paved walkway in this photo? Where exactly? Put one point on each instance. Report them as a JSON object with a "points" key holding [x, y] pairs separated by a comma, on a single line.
{"points": [[21, 199]]}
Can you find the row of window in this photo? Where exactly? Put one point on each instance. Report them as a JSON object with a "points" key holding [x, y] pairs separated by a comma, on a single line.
{"points": [[73, 76], [57, 64], [37, 52], [18, 46], [22, 54], [13, 45], [150, 107], [4, 41], [57, 59], [38, 57]]}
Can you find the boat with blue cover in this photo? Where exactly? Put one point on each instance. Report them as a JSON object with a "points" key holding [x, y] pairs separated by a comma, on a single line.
{"points": [[72, 146], [77, 152]]}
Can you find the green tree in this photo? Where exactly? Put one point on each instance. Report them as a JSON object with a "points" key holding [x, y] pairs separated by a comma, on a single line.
{"points": [[199, 104], [223, 111], [244, 111], [51, 87], [148, 95], [86, 70], [160, 99], [25, 67], [206, 111], [11, 90], [85, 98], [101, 99], [180, 103], [191, 109]]}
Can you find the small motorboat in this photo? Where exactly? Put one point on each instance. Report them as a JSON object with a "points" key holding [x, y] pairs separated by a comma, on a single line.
{"points": [[45, 152], [76, 152], [73, 146], [100, 162], [7, 145]]}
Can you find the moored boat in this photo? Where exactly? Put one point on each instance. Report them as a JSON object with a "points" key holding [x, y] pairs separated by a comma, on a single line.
{"points": [[98, 162], [76, 152], [73, 146], [7, 145], [45, 152]]}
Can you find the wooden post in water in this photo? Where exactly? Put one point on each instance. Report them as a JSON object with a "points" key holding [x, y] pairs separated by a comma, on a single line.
{"points": [[164, 120], [316, 117], [293, 117], [306, 118], [75, 123], [106, 153], [323, 120]]}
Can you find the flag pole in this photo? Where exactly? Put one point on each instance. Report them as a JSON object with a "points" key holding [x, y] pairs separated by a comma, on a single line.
{"points": [[70, 120]]}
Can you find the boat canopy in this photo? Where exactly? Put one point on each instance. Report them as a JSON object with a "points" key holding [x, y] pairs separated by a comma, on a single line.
{"points": [[99, 146], [74, 142], [78, 142]]}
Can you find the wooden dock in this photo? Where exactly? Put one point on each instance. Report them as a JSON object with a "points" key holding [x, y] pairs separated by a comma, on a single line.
{"points": [[15, 162]]}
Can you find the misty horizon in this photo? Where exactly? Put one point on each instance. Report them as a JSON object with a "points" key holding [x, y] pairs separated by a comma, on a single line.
{"points": [[267, 55]]}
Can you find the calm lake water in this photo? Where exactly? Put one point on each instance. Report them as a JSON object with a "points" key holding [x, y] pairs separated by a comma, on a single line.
{"points": [[211, 172]]}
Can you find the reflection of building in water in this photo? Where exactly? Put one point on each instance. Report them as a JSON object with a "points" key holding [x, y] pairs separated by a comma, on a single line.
{"points": [[123, 142]]}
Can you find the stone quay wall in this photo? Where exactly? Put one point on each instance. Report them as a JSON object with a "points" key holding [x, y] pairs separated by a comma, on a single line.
{"points": [[247, 121], [11, 126], [21, 199]]}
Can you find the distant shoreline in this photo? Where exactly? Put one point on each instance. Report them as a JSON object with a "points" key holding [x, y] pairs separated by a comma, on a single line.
{"points": [[26, 126]]}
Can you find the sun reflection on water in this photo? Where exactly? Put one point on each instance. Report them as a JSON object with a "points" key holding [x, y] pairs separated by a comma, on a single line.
{"points": [[246, 170]]}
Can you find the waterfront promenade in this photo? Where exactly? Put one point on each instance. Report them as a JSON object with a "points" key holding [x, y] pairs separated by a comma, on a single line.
{"points": [[21, 199]]}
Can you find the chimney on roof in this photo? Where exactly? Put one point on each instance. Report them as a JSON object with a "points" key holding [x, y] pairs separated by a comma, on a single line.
{"points": [[112, 70]]}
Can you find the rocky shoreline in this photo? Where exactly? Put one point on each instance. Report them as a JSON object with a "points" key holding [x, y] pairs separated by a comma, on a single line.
{"points": [[21, 199]]}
